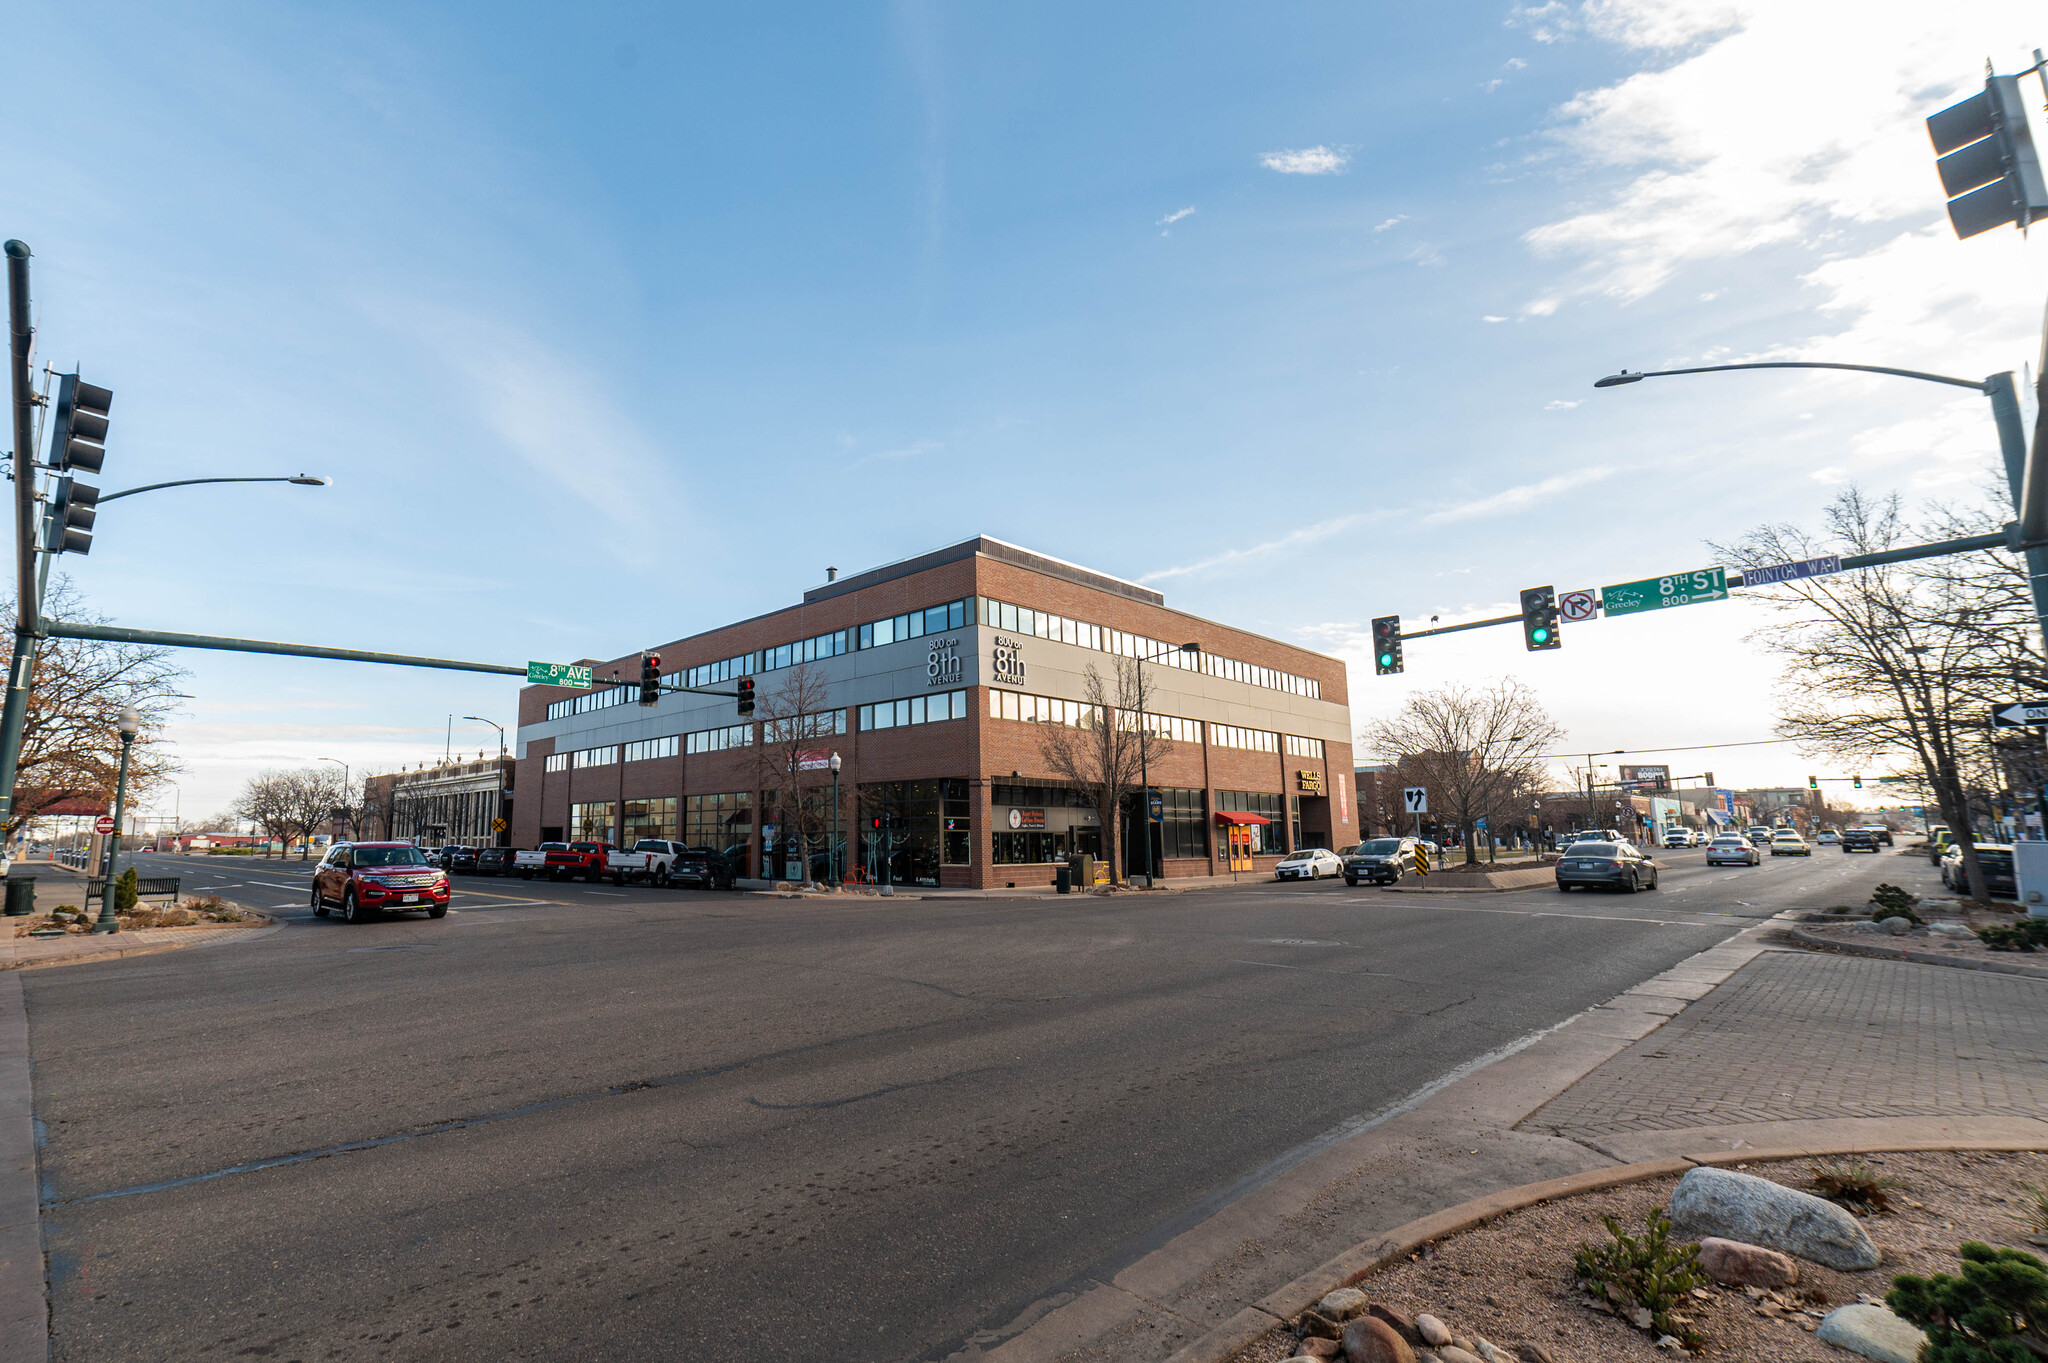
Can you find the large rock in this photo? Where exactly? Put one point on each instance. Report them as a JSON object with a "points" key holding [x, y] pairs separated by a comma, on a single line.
{"points": [[1318, 1348], [1371, 1340], [1721, 1202], [1873, 1332], [1313, 1326], [1897, 927], [1342, 1304], [1451, 1353], [1740, 1265], [1434, 1331], [1403, 1323]]}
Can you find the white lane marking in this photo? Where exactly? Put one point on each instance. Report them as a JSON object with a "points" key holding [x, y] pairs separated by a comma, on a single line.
{"points": [[609, 894], [1320, 970], [1550, 913]]}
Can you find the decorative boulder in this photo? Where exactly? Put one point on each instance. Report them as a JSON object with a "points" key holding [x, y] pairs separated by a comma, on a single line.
{"points": [[1873, 1332], [1895, 926], [1740, 1265], [1371, 1340], [1342, 1304], [1756, 1211]]}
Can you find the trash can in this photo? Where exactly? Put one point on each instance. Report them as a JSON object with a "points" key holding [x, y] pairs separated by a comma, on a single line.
{"points": [[21, 896], [1063, 878]]}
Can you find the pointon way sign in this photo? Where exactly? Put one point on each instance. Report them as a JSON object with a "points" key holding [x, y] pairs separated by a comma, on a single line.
{"points": [[2020, 714]]}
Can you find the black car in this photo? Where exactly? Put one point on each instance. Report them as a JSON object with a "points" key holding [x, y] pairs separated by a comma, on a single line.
{"points": [[1859, 840], [703, 867], [494, 861], [1607, 866], [455, 858], [1379, 860]]}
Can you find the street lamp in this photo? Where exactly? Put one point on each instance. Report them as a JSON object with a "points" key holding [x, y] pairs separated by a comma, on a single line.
{"points": [[345, 787], [301, 479], [836, 876], [501, 775], [1144, 776], [129, 724]]}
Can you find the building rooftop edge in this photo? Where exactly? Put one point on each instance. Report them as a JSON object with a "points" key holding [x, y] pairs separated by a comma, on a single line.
{"points": [[985, 546]]}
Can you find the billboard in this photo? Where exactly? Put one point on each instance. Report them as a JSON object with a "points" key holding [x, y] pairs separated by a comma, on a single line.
{"points": [[1645, 777]]}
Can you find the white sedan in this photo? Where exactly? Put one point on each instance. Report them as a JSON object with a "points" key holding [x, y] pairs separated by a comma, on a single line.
{"points": [[1733, 850], [1311, 863]]}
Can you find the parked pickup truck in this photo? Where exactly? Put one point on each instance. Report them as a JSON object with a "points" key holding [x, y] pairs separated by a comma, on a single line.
{"points": [[562, 861]]}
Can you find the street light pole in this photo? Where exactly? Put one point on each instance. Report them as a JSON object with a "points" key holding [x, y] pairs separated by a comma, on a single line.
{"points": [[129, 725], [345, 786], [501, 776], [837, 878]]}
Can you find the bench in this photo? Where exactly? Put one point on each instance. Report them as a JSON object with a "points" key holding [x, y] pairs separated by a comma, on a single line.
{"points": [[155, 887]]}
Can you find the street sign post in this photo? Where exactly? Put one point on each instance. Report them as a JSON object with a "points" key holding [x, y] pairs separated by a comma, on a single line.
{"points": [[1659, 593], [557, 674], [2020, 714], [1415, 799], [1578, 606]]}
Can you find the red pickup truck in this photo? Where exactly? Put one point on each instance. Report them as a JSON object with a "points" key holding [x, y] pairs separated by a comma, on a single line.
{"points": [[564, 861]]}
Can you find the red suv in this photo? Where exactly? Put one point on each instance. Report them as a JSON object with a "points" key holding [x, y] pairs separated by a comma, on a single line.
{"points": [[370, 878]]}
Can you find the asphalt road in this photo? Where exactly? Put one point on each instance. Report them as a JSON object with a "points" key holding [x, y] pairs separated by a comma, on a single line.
{"points": [[589, 1123]]}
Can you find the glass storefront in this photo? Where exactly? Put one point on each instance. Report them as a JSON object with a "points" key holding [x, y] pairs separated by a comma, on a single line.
{"points": [[923, 825], [718, 821], [592, 822], [1266, 839], [650, 819]]}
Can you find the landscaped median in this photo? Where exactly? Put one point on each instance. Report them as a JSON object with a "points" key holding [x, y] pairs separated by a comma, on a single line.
{"points": [[65, 935]]}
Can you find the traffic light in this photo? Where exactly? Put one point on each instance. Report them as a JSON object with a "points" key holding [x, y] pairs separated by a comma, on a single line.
{"points": [[1709, 778], [1539, 619], [78, 435], [71, 517], [650, 678], [1386, 645], [1988, 166], [1857, 781], [746, 690], [1813, 783]]}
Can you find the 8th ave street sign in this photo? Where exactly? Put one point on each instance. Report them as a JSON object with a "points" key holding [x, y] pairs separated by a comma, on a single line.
{"points": [[556, 674], [1657, 593], [2020, 714]]}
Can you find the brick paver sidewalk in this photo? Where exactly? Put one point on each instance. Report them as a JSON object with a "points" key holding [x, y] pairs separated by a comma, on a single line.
{"points": [[1795, 1035]]}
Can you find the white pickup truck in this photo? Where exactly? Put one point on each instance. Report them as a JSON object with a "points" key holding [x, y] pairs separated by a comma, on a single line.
{"points": [[650, 861]]}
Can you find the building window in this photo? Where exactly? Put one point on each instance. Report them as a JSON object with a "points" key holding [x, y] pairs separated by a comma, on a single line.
{"points": [[557, 761], [1265, 837], [1183, 823], [594, 757], [718, 821], [1304, 747], [592, 700], [592, 822], [819, 725], [648, 749], [710, 674], [650, 819], [925, 825], [1071, 714], [914, 624], [1174, 727], [886, 714], [718, 740], [1012, 618], [1253, 740]]}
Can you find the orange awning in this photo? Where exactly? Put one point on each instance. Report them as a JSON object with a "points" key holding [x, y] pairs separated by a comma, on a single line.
{"points": [[1227, 816]]}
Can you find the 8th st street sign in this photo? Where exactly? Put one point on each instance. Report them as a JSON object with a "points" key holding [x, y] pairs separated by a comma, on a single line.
{"points": [[2020, 714], [1659, 593]]}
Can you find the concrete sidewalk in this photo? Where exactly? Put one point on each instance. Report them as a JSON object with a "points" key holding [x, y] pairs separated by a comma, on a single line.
{"points": [[1741, 1051]]}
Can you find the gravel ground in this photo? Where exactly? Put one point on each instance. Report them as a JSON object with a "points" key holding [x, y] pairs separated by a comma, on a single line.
{"points": [[1943, 944], [1511, 1281]]}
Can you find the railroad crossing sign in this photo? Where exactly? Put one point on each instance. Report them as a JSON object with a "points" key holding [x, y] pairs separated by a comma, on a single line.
{"points": [[497, 825], [1415, 799], [2020, 714], [557, 674], [1578, 606], [1657, 593], [104, 824]]}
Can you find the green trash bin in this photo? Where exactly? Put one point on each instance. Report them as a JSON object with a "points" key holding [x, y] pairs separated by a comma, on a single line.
{"points": [[21, 896], [1063, 878]]}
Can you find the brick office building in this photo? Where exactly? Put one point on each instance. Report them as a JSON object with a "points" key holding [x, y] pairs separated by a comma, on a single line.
{"points": [[935, 676]]}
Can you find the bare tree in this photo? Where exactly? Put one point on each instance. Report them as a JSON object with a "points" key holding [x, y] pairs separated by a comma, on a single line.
{"points": [[1107, 746], [1476, 750], [799, 727], [291, 805], [70, 748], [264, 803], [1900, 659]]}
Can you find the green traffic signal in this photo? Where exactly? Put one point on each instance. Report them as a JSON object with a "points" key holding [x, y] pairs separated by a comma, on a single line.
{"points": [[1539, 634]]}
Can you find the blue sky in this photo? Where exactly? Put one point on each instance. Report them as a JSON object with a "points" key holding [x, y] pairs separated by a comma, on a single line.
{"points": [[613, 330]]}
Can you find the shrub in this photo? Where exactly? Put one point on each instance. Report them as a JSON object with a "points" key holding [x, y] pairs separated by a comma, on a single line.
{"points": [[1994, 1313], [1644, 1274], [228, 913], [1893, 902], [2024, 935], [204, 902], [1854, 1185], [125, 891]]}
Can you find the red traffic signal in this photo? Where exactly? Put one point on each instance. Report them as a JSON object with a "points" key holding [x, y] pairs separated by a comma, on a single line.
{"points": [[650, 678], [746, 690]]}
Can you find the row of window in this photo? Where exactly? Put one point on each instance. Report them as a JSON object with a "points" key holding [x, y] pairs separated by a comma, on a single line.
{"points": [[916, 710], [821, 725], [592, 700], [1005, 615], [647, 749], [1074, 715], [1255, 740], [1303, 747], [718, 740]]}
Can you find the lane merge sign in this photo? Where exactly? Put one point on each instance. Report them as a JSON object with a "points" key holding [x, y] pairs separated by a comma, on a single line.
{"points": [[2020, 714], [1660, 593], [1825, 566], [1578, 606], [1415, 799], [557, 674]]}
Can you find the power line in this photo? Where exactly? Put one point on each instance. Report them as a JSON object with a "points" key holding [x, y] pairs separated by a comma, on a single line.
{"points": [[1690, 747]]}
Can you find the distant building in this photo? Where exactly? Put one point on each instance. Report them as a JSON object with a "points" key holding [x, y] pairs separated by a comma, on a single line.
{"points": [[469, 803]]}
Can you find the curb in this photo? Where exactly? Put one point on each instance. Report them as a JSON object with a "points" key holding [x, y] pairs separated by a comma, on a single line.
{"points": [[1883, 953], [1367, 1257], [216, 935]]}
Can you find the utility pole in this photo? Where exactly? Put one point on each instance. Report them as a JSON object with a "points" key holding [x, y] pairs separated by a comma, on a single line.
{"points": [[21, 340]]}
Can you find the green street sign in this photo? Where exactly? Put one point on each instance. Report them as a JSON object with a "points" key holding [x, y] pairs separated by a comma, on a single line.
{"points": [[1656, 593], [557, 674]]}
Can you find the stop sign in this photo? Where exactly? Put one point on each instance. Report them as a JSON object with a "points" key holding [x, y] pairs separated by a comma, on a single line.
{"points": [[103, 824]]}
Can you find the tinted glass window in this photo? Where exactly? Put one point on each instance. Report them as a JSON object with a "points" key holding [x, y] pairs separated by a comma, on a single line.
{"points": [[1594, 849], [389, 856], [1380, 847], [1994, 861]]}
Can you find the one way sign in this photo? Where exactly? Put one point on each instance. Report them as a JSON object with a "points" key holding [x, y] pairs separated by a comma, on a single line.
{"points": [[2020, 714]]}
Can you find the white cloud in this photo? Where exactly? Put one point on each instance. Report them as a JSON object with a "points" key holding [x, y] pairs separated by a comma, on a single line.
{"points": [[1516, 498], [1491, 318], [910, 451], [1491, 85], [1542, 307], [1514, 64], [1171, 218], [1559, 405], [1831, 474], [1293, 539], [1316, 160], [1391, 222]]}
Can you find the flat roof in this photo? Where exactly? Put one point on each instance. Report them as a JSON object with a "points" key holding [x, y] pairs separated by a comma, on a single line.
{"points": [[987, 546]]}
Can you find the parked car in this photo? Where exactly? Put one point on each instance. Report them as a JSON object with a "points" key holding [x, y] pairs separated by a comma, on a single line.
{"points": [[365, 879], [1786, 842], [1311, 863], [1827, 837], [1876, 830], [1606, 866], [458, 859], [495, 861], [1379, 860], [1733, 849], [1859, 840], [1995, 858], [707, 868]]}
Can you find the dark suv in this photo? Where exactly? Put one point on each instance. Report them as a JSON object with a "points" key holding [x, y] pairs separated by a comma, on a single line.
{"points": [[370, 878], [1379, 860], [704, 868], [462, 859], [1859, 840]]}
